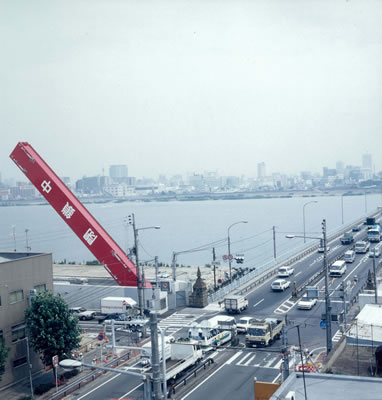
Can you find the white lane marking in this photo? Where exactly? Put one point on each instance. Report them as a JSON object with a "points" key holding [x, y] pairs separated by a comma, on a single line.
{"points": [[245, 357], [131, 391], [298, 273], [258, 303], [278, 364], [204, 381], [337, 336], [96, 388], [250, 360], [268, 364], [277, 378], [234, 357]]}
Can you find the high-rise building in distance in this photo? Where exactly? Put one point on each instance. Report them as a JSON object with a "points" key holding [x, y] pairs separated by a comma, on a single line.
{"points": [[261, 170], [118, 172], [367, 161]]}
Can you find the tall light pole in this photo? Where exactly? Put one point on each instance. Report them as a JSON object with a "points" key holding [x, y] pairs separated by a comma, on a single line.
{"points": [[229, 247], [303, 214], [140, 280], [327, 297]]}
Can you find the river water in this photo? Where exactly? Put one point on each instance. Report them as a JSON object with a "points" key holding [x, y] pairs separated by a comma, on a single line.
{"points": [[186, 225]]}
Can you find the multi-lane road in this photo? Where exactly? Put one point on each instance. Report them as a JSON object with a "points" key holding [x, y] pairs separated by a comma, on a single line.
{"points": [[232, 373]]}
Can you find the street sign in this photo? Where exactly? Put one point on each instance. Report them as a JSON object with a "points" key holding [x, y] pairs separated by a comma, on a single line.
{"points": [[101, 336], [225, 257], [323, 324], [55, 361]]}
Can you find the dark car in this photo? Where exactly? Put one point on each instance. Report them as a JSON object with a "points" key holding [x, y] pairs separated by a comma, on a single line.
{"points": [[356, 228]]}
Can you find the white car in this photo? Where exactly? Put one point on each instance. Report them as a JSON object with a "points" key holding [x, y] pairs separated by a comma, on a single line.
{"points": [[285, 271], [322, 250], [82, 313], [243, 324], [374, 252], [306, 304], [280, 285]]}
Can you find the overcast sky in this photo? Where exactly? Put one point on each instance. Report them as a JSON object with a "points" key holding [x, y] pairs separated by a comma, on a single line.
{"points": [[180, 86]]}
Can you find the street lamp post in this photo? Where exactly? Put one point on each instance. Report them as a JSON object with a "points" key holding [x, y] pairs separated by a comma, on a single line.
{"points": [[327, 298], [140, 276], [303, 214], [229, 248]]}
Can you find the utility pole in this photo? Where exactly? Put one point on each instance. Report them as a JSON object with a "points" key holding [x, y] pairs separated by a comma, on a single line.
{"points": [[375, 280], [284, 351], [174, 266], [214, 264], [139, 274], [302, 360], [26, 240], [157, 392], [274, 242], [327, 298], [344, 292]]}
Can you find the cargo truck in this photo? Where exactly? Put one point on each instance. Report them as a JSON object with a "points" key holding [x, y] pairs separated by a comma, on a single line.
{"points": [[116, 305], [263, 332], [370, 221], [146, 351], [182, 357], [347, 238], [374, 233], [235, 304]]}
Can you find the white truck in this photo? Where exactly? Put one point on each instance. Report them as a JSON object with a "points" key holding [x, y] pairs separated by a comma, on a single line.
{"points": [[116, 305], [146, 351], [235, 304], [183, 356]]}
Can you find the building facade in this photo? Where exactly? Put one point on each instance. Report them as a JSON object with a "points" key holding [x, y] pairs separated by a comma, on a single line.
{"points": [[22, 275]]}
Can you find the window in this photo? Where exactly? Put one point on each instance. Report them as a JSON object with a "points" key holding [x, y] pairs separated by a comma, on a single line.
{"points": [[18, 332], [40, 288], [16, 297], [19, 361]]}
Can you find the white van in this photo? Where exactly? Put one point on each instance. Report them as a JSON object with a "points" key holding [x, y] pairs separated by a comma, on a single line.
{"points": [[338, 268], [349, 256]]}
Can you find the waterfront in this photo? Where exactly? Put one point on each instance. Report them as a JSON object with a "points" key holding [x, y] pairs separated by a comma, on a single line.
{"points": [[185, 225]]}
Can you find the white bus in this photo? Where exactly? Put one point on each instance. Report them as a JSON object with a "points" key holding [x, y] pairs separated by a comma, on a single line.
{"points": [[210, 333]]}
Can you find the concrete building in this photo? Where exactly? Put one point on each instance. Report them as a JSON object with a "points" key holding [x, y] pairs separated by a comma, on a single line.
{"points": [[118, 173], [21, 276], [328, 387], [261, 173]]}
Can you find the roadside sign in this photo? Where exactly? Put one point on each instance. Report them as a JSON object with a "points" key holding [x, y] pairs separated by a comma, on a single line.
{"points": [[323, 324], [55, 361], [230, 257], [225, 257], [101, 336]]}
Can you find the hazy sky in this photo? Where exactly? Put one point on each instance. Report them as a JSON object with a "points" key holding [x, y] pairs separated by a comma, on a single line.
{"points": [[177, 86]]}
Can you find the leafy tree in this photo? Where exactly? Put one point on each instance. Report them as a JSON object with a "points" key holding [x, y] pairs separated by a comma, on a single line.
{"points": [[3, 355], [52, 328]]}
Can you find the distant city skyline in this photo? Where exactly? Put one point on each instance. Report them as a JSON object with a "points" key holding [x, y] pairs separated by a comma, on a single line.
{"points": [[183, 86]]}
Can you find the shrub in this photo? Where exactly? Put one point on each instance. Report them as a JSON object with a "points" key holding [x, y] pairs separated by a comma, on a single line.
{"points": [[43, 388]]}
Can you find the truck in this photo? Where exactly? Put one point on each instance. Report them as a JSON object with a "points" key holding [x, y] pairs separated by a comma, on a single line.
{"points": [[146, 351], [370, 221], [235, 304], [263, 332], [182, 357], [117, 305], [362, 247], [374, 233], [347, 238]]}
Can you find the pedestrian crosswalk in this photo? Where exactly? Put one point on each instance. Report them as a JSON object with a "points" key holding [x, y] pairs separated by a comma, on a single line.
{"points": [[285, 307], [257, 360], [177, 321], [337, 336]]}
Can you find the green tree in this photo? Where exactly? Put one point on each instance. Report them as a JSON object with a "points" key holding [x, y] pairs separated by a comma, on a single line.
{"points": [[52, 329], [3, 355]]}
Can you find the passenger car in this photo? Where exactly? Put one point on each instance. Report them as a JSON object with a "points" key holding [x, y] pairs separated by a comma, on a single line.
{"points": [[280, 285], [285, 271], [243, 324], [322, 250], [306, 304], [82, 313], [356, 228], [374, 252]]}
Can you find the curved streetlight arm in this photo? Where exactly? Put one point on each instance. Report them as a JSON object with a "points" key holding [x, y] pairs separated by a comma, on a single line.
{"points": [[229, 247]]}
